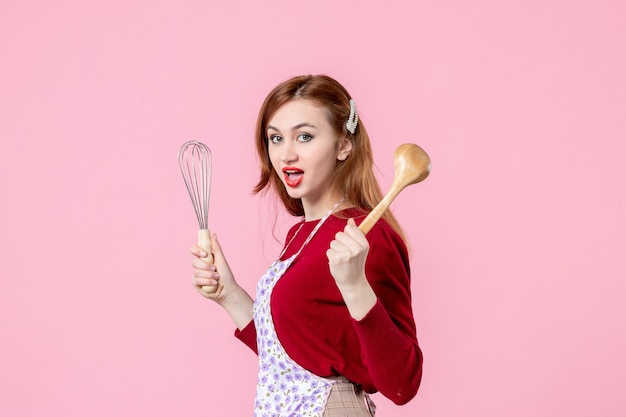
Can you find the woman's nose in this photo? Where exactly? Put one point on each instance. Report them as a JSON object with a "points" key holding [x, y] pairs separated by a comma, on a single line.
{"points": [[288, 152]]}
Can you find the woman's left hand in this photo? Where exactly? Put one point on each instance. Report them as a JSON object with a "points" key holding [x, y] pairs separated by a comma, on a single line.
{"points": [[347, 255], [346, 260]]}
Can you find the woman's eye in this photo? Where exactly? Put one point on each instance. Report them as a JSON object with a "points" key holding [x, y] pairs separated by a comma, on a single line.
{"points": [[276, 138], [304, 137]]}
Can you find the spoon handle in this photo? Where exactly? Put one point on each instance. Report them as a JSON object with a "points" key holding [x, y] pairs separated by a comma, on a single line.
{"points": [[374, 215]]}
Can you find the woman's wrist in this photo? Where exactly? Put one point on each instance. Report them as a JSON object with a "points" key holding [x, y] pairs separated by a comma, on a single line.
{"points": [[238, 305], [359, 298]]}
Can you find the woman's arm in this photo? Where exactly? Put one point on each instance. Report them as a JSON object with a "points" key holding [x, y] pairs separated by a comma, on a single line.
{"points": [[376, 291]]}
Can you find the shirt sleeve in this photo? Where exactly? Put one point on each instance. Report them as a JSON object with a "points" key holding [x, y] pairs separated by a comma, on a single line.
{"points": [[387, 333], [248, 336]]}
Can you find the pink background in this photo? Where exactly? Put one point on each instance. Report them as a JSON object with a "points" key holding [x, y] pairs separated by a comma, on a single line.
{"points": [[518, 236]]}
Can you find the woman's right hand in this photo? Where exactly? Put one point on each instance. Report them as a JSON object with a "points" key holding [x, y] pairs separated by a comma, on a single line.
{"points": [[212, 276]]}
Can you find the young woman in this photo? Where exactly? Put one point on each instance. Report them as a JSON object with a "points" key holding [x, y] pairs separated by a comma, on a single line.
{"points": [[332, 318]]}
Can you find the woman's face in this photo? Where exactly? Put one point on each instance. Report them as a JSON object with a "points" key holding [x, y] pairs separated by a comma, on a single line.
{"points": [[304, 150]]}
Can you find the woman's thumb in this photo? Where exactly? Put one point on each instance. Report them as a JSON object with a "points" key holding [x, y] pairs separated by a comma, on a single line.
{"points": [[217, 249]]}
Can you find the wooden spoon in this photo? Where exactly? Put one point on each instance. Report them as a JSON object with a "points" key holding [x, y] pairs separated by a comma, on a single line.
{"points": [[412, 165]]}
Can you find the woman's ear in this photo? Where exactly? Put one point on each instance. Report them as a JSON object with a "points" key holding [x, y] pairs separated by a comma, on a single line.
{"points": [[344, 148]]}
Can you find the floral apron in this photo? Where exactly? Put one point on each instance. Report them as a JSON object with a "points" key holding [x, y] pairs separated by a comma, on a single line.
{"points": [[284, 388]]}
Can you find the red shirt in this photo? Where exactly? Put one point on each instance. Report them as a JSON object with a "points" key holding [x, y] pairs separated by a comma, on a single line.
{"points": [[380, 352]]}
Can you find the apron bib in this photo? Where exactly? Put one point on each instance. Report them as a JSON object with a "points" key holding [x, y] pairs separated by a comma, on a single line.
{"points": [[284, 388]]}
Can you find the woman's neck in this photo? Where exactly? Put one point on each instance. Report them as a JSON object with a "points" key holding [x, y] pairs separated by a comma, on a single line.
{"points": [[322, 208]]}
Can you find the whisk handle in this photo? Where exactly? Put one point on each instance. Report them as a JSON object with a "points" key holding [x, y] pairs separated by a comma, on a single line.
{"points": [[204, 241]]}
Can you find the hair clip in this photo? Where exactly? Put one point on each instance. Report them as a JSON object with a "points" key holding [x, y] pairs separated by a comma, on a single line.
{"points": [[353, 119]]}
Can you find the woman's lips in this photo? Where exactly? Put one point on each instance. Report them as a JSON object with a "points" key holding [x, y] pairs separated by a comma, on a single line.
{"points": [[293, 176]]}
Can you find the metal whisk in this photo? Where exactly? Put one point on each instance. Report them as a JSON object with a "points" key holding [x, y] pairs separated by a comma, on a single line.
{"points": [[194, 160]]}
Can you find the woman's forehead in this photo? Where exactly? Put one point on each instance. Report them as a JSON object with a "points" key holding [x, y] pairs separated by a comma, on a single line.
{"points": [[298, 111]]}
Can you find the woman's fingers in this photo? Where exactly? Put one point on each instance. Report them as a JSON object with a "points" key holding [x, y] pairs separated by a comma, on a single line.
{"points": [[197, 251], [213, 279], [203, 282], [349, 243], [204, 274], [198, 263]]}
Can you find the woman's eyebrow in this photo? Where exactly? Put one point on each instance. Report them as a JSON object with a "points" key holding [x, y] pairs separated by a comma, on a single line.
{"points": [[296, 127], [305, 124]]}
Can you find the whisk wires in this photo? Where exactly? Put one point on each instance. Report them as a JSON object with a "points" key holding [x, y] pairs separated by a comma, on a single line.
{"points": [[194, 159]]}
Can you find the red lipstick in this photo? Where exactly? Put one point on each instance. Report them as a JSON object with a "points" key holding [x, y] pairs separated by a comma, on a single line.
{"points": [[293, 176]]}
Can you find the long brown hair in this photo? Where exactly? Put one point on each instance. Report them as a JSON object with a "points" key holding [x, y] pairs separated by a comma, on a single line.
{"points": [[353, 177]]}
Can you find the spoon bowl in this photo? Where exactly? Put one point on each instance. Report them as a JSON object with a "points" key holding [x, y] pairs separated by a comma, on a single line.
{"points": [[412, 165]]}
